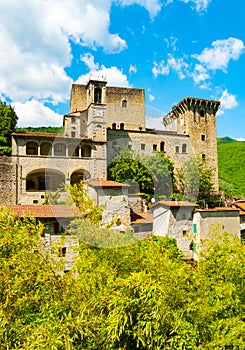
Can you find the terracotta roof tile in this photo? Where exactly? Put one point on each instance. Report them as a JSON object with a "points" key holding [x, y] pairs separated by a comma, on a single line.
{"points": [[106, 183], [141, 218], [45, 211], [37, 134], [177, 204]]}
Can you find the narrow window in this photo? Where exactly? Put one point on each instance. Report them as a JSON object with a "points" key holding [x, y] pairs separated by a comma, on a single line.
{"points": [[202, 112], [124, 104], [142, 146], [114, 126], [122, 126], [62, 251], [203, 156], [176, 149], [203, 137], [73, 119], [97, 95], [184, 233], [184, 148], [154, 148], [73, 134], [162, 145]]}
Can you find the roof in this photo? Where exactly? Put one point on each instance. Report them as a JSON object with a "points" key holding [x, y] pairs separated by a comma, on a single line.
{"points": [[218, 209], [240, 205], [37, 134], [45, 211], [141, 218], [106, 183], [175, 204]]}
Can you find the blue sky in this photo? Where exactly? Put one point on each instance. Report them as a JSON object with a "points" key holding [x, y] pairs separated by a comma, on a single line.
{"points": [[171, 48]]}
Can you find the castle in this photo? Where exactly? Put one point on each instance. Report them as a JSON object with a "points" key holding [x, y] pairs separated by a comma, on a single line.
{"points": [[100, 118]]}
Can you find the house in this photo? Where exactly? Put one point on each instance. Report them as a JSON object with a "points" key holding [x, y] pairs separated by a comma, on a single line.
{"points": [[175, 220]]}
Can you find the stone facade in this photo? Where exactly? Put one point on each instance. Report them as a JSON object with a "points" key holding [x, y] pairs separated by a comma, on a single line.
{"points": [[100, 119], [9, 176]]}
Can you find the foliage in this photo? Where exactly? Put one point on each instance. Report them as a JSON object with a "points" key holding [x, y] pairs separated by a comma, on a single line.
{"points": [[49, 129], [195, 183], [80, 198], [152, 174], [140, 296], [231, 160], [8, 121]]}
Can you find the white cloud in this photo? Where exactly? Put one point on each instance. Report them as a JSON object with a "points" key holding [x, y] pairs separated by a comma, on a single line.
{"points": [[199, 5], [176, 64], [33, 113], [200, 74], [228, 101], [240, 139], [220, 54], [151, 97], [152, 6], [112, 75], [132, 69]]}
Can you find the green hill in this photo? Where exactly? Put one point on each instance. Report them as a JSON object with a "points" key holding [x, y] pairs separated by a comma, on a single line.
{"points": [[231, 159]]}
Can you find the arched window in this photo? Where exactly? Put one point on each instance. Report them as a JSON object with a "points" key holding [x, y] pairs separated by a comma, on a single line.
{"points": [[122, 126], [44, 180], [45, 149], [184, 148], [79, 175], [31, 148], [59, 149], [202, 112], [86, 151], [97, 95], [73, 151], [124, 104], [162, 145], [114, 126], [176, 149]]}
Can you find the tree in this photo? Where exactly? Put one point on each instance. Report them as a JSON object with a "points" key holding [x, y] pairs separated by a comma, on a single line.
{"points": [[195, 183], [152, 174], [8, 121]]}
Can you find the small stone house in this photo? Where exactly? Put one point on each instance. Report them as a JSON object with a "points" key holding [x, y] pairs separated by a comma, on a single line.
{"points": [[174, 219]]}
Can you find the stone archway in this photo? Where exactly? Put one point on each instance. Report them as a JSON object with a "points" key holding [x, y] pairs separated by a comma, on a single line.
{"points": [[79, 175], [44, 180]]}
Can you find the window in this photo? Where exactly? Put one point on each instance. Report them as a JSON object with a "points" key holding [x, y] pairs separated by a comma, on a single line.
{"points": [[62, 251], [176, 149], [114, 126], [184, 233], [184, 148], [45, 149], [142, 146], [203, 156], [59, 149], [162, 145], [202, 113], [35, 201], [203, 137], [73, 134], [124, 104], [31, 148], [154, 148], [73, 119], [97, 95], [122, 126]]}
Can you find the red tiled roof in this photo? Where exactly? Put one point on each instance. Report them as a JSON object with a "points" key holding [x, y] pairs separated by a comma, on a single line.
{"points": [[37, 134], [141, 218], [106, 183], [45, 211], [177, 204], [240, 205]]}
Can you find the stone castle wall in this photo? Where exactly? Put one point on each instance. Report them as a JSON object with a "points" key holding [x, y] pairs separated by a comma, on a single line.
{"points": [[8, 181]]}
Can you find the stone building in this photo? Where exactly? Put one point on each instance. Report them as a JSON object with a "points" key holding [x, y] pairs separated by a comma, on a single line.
{"points": [[100, 119]]}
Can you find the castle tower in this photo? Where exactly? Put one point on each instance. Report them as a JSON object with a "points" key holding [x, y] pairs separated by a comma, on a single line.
{"points": [[196, 118]]}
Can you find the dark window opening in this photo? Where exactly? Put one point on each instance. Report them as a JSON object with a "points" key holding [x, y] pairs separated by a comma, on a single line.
{"points": [[114, 126], [202, 112], [31, 148], [142, 146], [73, 119], [203, 156], [73, 134], [184, 148], [176, 149], [97, 95], [124, 103], [35, 201], [203, 137], [154, 148], [184, 233], [45, 149], [162, 145], [62, 252], [122, 126]]}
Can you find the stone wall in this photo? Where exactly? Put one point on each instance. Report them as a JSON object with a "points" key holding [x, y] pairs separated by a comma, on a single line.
{"points": [[8, 181]]}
